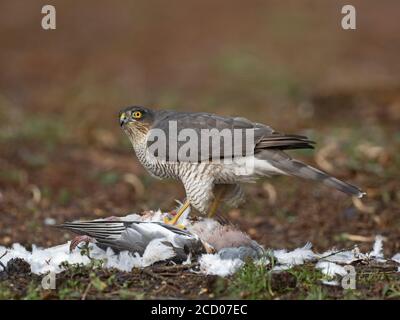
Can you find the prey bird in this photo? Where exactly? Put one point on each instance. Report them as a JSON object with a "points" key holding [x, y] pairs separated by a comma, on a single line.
{"points": [[207, 179], [134, 236], [134, 233]]}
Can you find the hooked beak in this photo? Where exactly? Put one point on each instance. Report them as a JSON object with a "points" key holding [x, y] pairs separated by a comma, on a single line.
{"points": [[123, 119]]}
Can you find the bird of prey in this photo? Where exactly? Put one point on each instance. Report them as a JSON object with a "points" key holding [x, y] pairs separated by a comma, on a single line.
{"points": [[210, 179]]}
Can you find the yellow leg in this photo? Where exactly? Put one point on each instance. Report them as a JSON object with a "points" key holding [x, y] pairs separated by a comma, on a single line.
{"points": [[215, 204], [175, 219]]}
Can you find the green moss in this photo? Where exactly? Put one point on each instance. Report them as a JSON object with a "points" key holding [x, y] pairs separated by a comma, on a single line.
{"points": [[33, 291], [252, 281], [5, 292], [316, 293]]}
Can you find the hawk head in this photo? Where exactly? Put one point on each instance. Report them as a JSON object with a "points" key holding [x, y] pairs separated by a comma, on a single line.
{"points": [[136, 121]]}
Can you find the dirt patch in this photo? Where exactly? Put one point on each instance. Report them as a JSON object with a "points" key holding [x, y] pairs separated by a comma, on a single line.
{"points": [[63, 156]]}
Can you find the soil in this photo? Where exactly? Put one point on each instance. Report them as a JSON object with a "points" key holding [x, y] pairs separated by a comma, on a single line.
{"points": [[63, 156]]}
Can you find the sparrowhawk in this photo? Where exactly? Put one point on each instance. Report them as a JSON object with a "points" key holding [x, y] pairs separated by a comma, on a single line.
{"points": [[207, 178]]}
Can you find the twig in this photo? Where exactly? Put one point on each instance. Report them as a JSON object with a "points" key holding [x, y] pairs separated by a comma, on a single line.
{"points": [[378, 272], [177, 267], [153, 275], [161, 278], [86, 291], [1, 263], [336, 252], [167, 274]]}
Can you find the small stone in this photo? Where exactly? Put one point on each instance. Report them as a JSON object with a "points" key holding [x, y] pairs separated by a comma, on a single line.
{"points": [[98, 212], [252, 232], [6, 240], [234, 214], [203, 291], [50, 221]]}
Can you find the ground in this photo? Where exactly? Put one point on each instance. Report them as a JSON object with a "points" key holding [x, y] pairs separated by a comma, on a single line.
{"points": [[64, 157]]}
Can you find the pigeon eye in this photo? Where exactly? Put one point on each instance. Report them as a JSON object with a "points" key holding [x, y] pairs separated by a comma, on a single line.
{"points": [[137, 114]]}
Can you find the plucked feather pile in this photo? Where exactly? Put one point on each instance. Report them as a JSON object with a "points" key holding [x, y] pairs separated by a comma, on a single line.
{"points": [[152, 242]]}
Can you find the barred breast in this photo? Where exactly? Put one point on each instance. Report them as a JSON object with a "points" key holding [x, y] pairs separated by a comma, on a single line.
{"points": [[157, 168], [199, 179]]}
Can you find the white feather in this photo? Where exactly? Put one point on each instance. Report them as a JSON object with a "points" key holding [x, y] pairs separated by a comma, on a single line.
{"points": [[123, 261], [396, 257], [330, 269], [156, 251], [212, 264], [330, 282], [295, 257], [282, 267], [344, 257], [377, 251]]}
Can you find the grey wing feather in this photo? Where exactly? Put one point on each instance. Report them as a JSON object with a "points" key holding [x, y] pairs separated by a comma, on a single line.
{"points": [[128, 235], [290, 166], [264, 137], [116, 235]]}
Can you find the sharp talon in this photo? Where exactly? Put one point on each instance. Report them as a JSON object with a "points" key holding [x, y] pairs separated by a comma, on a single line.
{"points": [[173, 223], [167, 221], [177, 216]]}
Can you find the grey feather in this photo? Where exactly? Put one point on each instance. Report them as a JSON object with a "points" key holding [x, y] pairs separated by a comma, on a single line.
{"points": [[264, 136], [134, 236], [242, 253], [296, 168]]}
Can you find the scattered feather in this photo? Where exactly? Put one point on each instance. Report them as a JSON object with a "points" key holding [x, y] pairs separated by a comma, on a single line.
{"points": [[330, 269], [377, 250], [123, 261], [282, 267], [212, 264], [44, 260], [50, 221], [396, 257], [295, 257], [343, 257], [230, 256], [332, 283]]}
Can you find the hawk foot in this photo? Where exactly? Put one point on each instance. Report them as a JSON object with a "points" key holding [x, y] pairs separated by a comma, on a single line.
{"points": [[175, 219], [173, 222]]}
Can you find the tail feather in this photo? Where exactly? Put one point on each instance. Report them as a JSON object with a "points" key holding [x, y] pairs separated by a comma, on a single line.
{"points": [[297, 168], [96, 229]]}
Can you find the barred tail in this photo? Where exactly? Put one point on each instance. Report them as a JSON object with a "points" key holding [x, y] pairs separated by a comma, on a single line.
{"points": [[296, 168], [302, 170]]}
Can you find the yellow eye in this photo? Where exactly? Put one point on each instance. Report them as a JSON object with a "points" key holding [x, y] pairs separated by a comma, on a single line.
{"points": [[137, 115]]}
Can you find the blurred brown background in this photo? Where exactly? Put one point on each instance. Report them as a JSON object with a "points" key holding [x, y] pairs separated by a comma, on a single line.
{"points": [[285, 63]]}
